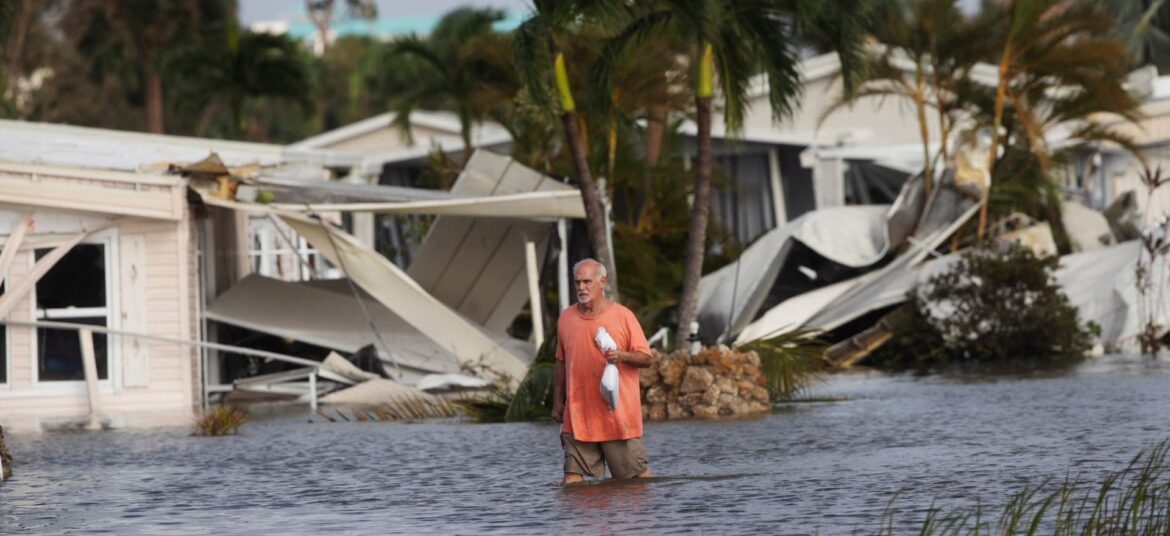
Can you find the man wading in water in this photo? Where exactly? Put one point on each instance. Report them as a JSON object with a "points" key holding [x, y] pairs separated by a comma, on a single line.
{"points": [[592, 435]]}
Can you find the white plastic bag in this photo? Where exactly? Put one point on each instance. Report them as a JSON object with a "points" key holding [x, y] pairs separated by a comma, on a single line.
{"points": [[609, 377]]}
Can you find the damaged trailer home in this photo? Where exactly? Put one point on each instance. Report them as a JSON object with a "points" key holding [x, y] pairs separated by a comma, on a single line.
{"points": [[130, 292], [443, 322], [833, 266], [101, 293]]}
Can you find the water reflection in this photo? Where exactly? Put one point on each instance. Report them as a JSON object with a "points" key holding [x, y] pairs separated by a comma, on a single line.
{"points": [[831, 467]]}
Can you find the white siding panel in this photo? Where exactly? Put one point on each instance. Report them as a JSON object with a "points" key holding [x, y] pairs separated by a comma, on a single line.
{"points": [[135, 356]]}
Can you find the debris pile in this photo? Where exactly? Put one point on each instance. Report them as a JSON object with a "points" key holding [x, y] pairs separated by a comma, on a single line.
{"points": [[715, 383]]}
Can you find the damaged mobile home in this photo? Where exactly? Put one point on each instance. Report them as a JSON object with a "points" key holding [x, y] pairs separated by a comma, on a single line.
{"points": [[142, 278]]}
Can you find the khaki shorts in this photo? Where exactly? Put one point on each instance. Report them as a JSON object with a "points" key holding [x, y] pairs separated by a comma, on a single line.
{"points": [[626, 458]]}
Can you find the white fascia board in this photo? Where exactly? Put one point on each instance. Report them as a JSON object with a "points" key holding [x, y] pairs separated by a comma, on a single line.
{"points": [[346, 132], [372, 163], [776, 137], [446, 122]]}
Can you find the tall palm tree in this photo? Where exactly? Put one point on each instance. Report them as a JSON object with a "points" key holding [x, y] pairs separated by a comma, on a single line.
{"points": [[729, 42], [447, 81], [539, 52], [236, 68], [1056, 65]]}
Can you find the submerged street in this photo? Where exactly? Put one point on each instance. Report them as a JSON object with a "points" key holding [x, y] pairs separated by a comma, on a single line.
{"points": [[832, 466]]}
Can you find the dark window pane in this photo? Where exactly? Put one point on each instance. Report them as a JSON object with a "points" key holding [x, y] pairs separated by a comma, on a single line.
{"points": [[77, 280], [59, 352]]}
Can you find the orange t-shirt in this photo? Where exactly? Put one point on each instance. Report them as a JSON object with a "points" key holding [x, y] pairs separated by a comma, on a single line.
{"points": [[587, 416]]}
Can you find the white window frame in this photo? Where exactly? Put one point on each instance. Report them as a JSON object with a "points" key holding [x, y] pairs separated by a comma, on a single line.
{"points": [[112, 384]]}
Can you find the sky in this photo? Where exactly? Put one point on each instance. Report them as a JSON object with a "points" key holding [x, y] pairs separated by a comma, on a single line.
{"points": [[252, 11], [268, 10]]}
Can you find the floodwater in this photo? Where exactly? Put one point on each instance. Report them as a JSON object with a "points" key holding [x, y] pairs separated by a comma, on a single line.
{"points": [[828, 467]]}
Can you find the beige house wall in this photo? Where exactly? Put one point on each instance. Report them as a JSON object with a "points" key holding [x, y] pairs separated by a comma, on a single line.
{"points": [[151, 288], [388, 138], [870, 120]]}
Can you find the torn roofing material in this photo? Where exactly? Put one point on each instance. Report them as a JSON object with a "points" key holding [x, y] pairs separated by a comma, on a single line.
{"points": [[97, 148], [475, 265], [949, 208], [395, 290], [313, 314], [851, 236], [528, 205]]}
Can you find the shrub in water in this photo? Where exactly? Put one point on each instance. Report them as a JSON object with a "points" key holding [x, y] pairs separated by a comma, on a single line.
{"points": [[1000, 307], [220, 421]]}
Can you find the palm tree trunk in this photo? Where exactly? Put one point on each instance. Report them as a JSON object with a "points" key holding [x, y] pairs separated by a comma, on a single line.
{"points": [[655, 133], [1000, 95], [696, 241], [594, 216], [923, 128], [154, 98]]}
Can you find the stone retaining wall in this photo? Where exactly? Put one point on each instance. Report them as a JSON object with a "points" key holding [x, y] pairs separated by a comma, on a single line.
{"points": [[716, 383]]}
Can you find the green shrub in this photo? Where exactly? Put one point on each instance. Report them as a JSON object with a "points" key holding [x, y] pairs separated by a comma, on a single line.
{"points": [[1001, 308], [220, 421], [791, 362]]}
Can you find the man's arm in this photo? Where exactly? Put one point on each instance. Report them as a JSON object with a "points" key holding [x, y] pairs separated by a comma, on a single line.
{"points": [[558, 409], [635, 359]]}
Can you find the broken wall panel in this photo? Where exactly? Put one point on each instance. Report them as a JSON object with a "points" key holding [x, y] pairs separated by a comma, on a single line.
{"points": [[473, 264]]}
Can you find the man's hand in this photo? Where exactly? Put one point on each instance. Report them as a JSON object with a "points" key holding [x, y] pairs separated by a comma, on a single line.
{"points": [[614, 357], [558, 411]]}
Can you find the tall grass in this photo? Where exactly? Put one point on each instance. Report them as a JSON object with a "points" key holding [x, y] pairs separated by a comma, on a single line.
{"points": [[791, 362], [220, 421], [1132, 501]]}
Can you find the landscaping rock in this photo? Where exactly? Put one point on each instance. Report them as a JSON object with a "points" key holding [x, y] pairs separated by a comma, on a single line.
{"points": [[714, 383], [649, 375], [696, 379], [670, 369]]}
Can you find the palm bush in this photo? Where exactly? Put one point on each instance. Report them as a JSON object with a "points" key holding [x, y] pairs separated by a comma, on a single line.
{"points": [[791, 362]]}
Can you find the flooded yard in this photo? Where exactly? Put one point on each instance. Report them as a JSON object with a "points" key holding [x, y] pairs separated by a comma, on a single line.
{"points": [[832, 467]]}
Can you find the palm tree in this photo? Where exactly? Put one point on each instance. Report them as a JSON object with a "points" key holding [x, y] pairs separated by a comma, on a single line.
{"points": [[1144, 27], [929, 54], [130, 37], [728, 40], [321, 14], [447, 80], [539, 52], [1056, 66], [235, 69]]}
